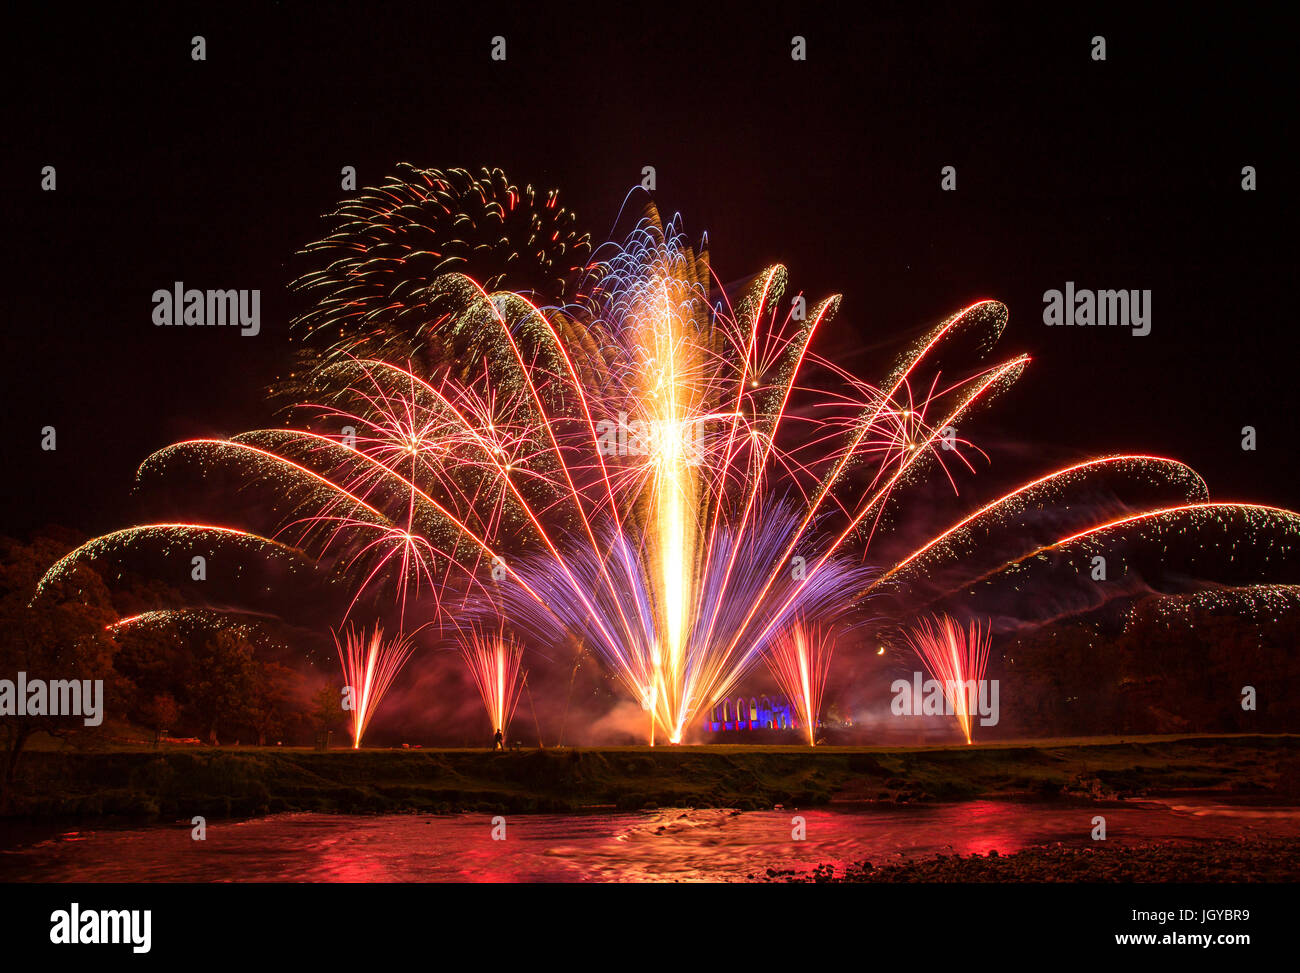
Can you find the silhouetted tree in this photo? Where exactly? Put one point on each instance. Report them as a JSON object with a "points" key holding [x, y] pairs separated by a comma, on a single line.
{"points": [[225, 681], [58, 633]]}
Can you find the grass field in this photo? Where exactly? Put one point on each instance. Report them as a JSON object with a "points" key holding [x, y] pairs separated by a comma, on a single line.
{"points": [[144, 783]]}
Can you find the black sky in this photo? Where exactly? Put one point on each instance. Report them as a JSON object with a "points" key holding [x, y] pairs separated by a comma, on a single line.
{"points": [[1122, 174]]}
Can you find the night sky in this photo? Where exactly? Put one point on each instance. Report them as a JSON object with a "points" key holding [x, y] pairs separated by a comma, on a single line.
{"points": [[1119, 174]]}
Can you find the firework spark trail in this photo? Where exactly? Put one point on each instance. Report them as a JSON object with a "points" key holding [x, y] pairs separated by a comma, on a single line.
{"points": [[496, 461], [956, 658], [872, 412], [170, 533], [345, 513], [391, 541], [1170, 471], [370, 664], [1259, 516], [799, 658], [876, 500], [494, 662], [191, 619], [722, 600], [419, 226]]}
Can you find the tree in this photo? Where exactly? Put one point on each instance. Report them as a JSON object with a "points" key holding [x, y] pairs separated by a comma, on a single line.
{"points": [[160, 713], [272, 704], [327, 708], [58, 633], [225, 682], [157, 663]]}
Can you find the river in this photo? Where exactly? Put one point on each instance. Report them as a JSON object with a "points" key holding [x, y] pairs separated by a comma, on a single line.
{"points": [[666, 845]]}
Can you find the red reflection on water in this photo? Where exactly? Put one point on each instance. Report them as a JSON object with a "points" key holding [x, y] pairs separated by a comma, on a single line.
{"points": [[665, 845]]}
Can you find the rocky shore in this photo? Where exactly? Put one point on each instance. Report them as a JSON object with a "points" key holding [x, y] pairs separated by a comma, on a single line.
{"points": [[1252, 860]]}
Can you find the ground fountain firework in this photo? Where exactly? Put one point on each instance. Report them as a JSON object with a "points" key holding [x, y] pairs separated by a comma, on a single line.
{"points": [[956, 658], [799, 658], [370, 664], [494, 663]]}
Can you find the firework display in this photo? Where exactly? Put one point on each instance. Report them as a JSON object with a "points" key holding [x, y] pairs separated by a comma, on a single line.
{"points": [[491, 421]]}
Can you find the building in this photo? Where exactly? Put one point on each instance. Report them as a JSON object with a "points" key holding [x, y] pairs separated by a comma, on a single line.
{"points": [[751, 713]]}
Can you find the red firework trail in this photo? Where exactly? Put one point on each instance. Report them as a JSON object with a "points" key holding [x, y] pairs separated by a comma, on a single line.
{"points": [[956, 658], [369, 666], [799, 658], [494, 661]]}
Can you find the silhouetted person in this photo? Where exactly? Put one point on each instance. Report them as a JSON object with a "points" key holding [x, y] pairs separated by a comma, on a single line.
{"points": [[498, 741]]}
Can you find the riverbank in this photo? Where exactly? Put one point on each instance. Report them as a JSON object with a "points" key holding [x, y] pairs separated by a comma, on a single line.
{"points": [[1246, 860], [147, 784]]}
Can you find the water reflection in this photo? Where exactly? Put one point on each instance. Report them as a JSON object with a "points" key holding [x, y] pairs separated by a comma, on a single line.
{"points": [[661, 846]]}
